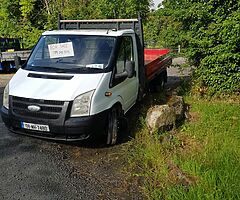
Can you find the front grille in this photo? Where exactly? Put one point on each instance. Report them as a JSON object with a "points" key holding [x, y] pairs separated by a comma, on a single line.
{"points": [[49, 109]]}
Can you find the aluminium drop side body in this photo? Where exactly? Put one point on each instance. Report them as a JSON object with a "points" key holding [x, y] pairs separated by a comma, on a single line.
{"points": [[9, 48], [80, 79]]}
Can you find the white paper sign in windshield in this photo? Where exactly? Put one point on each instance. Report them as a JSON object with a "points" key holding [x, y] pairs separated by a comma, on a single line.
{"points": [[61, 50]]}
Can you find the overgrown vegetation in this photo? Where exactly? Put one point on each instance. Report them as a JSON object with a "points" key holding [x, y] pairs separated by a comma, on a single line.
{"points": [[209, 32], [198, 161]]}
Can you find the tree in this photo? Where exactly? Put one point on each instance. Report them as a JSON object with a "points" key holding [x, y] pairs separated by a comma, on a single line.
{"points": [[105, 8], [28, 18], [210, 31]]}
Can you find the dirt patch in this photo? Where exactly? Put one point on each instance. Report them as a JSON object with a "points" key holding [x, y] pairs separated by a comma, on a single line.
{"points": [[194, 116], [188, 145], [105, 167], [108, 167], [179, 177]]}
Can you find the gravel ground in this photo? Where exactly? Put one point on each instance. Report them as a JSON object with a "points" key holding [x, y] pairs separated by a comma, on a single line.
{"points": [[39, 169], [176, 74]]}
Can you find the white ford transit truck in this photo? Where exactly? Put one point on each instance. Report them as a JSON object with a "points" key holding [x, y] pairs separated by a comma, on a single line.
{"points": [[81, 79]]}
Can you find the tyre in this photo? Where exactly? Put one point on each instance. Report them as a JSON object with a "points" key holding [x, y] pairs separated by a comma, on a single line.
{"points": [[113, 126], [162, 81], [162, 84], [158, 84]]}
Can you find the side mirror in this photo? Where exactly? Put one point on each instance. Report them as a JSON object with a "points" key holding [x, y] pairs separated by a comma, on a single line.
{"points": [[130, 69], [17, 61], [122, 75], [129, 72]]}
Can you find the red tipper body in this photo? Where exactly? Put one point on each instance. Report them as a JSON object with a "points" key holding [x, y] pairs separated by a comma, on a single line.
{"points": [[156, 61]]}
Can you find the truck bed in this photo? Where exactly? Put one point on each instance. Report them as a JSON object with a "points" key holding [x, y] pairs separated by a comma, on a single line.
{"points": [[7, 60], [9, 56], [156, 61]]}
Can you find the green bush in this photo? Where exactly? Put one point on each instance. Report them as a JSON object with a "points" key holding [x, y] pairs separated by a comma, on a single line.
{"points": [[218, 57], [210, 32]]}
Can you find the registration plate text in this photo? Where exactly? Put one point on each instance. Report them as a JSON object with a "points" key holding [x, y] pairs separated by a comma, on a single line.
{"points": [[36, 127]]}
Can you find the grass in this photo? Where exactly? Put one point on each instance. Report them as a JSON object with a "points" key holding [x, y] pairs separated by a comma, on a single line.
{"points": [[201, 160]]}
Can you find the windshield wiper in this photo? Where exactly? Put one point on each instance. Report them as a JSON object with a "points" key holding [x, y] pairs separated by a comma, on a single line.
{"points": [[82, 69], [49, 69]]}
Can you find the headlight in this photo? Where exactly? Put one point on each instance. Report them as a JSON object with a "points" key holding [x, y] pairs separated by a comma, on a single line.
{"points": [[6, 97], [81, 105]]}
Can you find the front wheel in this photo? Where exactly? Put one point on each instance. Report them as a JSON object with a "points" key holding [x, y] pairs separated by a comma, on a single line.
{"points": [[113, 126]]}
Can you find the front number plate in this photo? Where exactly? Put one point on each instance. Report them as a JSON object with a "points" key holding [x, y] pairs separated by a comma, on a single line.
{"points": [[36, 127]]}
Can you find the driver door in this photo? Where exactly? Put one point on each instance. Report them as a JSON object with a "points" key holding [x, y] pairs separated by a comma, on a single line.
{"points": [[126, 88]]}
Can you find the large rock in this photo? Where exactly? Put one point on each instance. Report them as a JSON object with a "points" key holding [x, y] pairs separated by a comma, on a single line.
{"points": [[160, 117], [177, 103], [163, 117]]}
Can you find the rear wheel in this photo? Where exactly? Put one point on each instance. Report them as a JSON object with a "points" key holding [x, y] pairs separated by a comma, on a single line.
{"points": [[158, 84], [162, 83], [113, 126], [162, 79]]}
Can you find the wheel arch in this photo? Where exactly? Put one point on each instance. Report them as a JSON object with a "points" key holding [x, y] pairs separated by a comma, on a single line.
{"points": [[118, 101]]}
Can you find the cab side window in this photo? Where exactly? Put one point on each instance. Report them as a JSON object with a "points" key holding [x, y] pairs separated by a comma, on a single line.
{"points": [[125, 54]]}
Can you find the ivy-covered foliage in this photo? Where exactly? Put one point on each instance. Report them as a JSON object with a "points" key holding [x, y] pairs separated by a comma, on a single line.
{"points": [[220, 67], [210, 31]]}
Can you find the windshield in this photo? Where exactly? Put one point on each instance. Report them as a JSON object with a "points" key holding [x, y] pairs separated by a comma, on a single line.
{"points": [[71, 53]]}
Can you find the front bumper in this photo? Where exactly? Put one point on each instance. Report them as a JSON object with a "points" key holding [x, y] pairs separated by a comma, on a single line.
{"points": [[71, 129]]}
